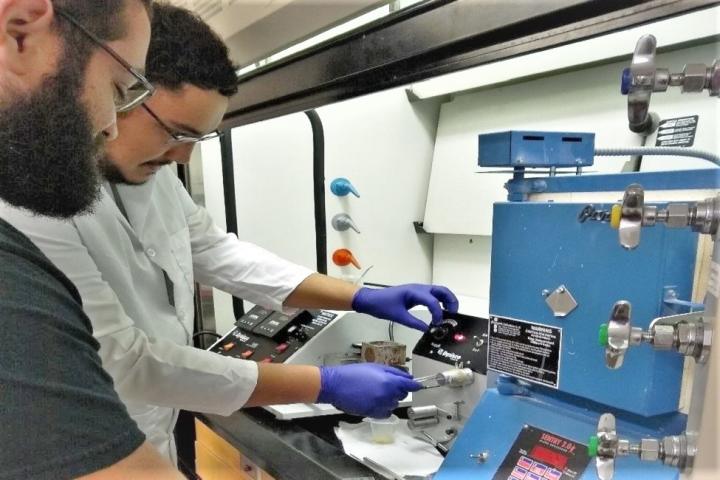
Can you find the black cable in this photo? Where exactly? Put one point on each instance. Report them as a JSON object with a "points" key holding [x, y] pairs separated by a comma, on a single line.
{"points": [[228, 177], [319, 190], [205, 332]]}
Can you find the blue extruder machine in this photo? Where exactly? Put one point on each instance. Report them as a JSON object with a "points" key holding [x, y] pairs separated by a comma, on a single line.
{"points": [[577, 284]]}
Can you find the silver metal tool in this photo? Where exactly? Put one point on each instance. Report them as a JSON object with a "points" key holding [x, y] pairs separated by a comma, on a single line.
{"points": [[455, 378]]}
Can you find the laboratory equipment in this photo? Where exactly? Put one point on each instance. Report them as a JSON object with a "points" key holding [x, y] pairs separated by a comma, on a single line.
{"points": [[455, 378], [309, 337], [453, 355], [556, 264]]}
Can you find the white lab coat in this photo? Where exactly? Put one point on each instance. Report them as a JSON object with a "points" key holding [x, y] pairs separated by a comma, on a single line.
{"points": [[144, 341]]}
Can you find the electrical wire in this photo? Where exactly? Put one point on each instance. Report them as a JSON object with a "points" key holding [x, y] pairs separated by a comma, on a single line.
{"points": [[205, 332], [644, 151]]}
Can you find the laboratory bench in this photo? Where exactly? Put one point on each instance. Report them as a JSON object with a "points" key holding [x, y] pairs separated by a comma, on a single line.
{"points": [[253, 445]]}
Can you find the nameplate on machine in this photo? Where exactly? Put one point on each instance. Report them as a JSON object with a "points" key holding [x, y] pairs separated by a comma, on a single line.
{"points": [[525, 350]]}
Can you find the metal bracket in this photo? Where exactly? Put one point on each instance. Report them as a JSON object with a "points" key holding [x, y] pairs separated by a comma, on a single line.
{"points": [[675, 306], [560, 301]]}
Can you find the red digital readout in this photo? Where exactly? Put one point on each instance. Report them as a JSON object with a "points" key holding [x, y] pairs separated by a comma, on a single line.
{"points": [[545, 455]]}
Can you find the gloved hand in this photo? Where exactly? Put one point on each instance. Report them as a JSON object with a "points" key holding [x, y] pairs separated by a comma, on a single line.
{"points": [[365, 389], [393, 303]]}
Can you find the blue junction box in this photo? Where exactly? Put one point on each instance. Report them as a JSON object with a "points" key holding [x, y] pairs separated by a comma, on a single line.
{"points": [[536, 149]]}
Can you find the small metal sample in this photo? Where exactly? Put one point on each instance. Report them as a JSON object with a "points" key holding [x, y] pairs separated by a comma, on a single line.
{"points": [[384, 352]]}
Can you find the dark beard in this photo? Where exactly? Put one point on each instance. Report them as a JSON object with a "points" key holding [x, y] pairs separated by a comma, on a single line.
{"points": [[48, 156], [111, 173]]}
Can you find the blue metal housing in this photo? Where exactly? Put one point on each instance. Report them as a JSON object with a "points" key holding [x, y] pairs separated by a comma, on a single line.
{"points": [[536, 149], [498, 419], [540, 246]]}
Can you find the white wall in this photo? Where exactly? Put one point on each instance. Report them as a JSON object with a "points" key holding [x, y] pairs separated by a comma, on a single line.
{"points": [[273, 186], [383, 144], [460, 200]]}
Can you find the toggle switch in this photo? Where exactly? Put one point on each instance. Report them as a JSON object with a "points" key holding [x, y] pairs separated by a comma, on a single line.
{"points": [[344, 257], [342, 222], [342, 187]]}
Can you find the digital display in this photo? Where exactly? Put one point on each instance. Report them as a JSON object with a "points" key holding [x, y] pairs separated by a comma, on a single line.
{"points": [[538, 454], [548, 456]]}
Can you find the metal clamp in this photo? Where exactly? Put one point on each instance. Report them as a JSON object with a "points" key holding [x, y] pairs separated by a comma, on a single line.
{"points": [[687, 334], [675, 450]]}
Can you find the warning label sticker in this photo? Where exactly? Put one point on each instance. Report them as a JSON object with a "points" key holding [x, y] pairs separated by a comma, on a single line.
{"points": [[677, 132], [527, 350]]}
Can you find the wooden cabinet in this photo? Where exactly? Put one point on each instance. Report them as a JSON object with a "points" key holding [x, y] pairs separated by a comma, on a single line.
{"points": [[216, 459]]}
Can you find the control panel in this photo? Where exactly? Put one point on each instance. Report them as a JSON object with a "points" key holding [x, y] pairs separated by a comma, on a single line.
{"points": [[265, 335], [458, 340]]}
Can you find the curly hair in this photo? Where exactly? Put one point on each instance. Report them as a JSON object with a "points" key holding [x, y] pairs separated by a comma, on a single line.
{"points": [[101, 17], [185, 50]]}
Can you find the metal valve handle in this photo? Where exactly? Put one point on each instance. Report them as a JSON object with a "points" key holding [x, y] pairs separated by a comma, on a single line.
{"points": [[643, 78], [604, 447], [618, 334], [674, 450], [628, 217], [633, 214], [640, 81]]}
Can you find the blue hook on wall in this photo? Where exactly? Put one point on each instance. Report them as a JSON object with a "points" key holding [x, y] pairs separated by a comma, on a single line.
{"points": [[342, 186]]}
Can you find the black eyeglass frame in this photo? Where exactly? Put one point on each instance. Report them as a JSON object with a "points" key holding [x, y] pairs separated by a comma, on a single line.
{"points": [[181, 137], [148, 88]]}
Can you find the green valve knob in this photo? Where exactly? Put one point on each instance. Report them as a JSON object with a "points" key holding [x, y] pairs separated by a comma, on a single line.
{"points": [[603, 335], [593, 446]]}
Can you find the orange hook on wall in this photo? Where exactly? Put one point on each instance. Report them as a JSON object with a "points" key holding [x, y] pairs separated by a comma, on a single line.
{"points": [[344, 257]]}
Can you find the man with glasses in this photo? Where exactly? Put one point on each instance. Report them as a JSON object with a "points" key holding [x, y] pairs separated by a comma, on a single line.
{"points": [[65, 69], [135, 261]]}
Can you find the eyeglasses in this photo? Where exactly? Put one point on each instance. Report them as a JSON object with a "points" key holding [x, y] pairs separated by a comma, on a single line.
{"points": [[177, 137], [135, 95]]}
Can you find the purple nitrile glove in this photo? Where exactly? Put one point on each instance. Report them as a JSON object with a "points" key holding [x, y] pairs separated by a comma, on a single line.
{"points": [[365, 389], [393, 303]]}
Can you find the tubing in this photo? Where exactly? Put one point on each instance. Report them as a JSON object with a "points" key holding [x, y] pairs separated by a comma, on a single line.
{"points": [[674, 151]]}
